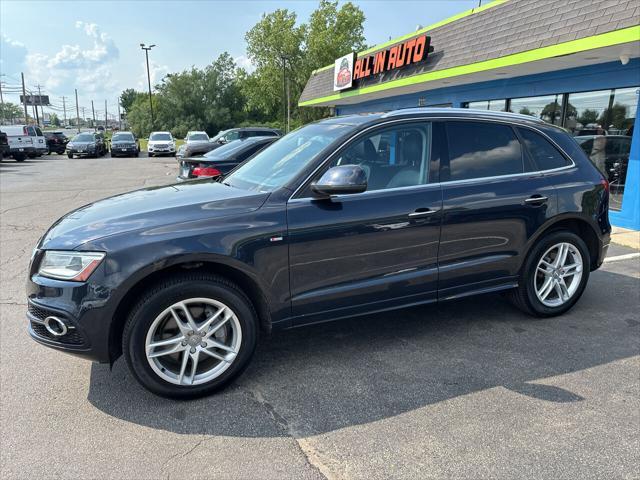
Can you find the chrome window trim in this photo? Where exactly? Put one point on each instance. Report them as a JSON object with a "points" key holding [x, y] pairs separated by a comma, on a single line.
{"points": [[449, 182]]}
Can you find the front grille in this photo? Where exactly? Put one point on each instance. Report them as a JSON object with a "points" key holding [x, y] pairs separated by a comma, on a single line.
{"points": [[72, 337], [39, 312]]}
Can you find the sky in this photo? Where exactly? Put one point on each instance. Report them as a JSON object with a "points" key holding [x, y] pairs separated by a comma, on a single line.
{"points": [[94, 46]]}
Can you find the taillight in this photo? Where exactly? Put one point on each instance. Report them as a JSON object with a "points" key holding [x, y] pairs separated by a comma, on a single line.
{"points": [[605, 183], [206, 172]]}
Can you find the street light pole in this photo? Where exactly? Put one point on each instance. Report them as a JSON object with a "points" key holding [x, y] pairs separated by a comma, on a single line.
{"points": [[146, 52]]}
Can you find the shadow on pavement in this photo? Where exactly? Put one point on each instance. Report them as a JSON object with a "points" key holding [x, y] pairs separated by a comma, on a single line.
{"points": [[326, 377]]}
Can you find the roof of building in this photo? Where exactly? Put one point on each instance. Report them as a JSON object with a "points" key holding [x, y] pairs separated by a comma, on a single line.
{"points": [[501, 29]]}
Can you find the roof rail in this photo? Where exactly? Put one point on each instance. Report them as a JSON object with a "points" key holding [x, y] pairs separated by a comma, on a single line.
{"points": [[439, 110]]}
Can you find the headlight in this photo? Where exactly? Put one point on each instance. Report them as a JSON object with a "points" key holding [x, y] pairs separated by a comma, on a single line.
{"points": [[67, 265]]}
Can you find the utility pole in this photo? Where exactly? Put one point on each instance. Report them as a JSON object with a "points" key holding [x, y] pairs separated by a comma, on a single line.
{"points": [[94, 116], [119, 117], [40, 101], [105, 116], [24, 98], [284, 92], [64, 108], [146, 52], [78, 111]]}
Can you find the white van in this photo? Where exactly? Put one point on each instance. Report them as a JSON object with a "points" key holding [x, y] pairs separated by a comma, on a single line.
{"points": [[25, 141]]}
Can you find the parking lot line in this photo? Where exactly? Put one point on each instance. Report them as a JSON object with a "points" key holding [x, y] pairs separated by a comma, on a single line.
{"points": [[619, 258]]}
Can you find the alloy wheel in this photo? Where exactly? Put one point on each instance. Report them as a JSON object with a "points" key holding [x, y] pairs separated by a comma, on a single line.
{"points": [[193, 341], [558, 274]]}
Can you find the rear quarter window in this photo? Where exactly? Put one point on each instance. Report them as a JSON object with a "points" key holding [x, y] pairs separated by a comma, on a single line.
{"points": [[544, 154], [481, 149]]}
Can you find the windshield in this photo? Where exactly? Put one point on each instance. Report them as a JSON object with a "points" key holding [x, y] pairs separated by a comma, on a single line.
{"points": [[84, 137], [198, 136], [160, 136], [281, 161], [122, 137]]}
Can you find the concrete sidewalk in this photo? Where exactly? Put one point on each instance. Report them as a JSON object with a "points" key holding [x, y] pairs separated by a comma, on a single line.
{"points": [[626, 237]]}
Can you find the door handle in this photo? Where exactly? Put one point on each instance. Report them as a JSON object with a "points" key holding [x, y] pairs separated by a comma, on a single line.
{"points": [[536, 199], [422, 212]]}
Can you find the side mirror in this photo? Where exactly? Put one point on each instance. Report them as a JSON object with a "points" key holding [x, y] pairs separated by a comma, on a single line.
{"points": [[343, 179]]}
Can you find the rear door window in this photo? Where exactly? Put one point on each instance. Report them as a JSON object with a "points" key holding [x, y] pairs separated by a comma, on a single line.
{"points": [[38, 132], [32, 131], [543, 153], [481, 149]]}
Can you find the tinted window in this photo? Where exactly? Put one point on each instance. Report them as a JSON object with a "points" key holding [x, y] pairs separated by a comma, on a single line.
{"points": [[479, 149], [391, 158], [84, 137], [32, 131], [39, 132], [544, 154]]}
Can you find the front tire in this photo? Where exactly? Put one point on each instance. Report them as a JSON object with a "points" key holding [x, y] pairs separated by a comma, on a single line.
{"points": [[554, 275], [190, 336]]}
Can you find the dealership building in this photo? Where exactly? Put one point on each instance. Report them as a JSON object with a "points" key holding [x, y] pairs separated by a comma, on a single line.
{"points": [[574, 63]]}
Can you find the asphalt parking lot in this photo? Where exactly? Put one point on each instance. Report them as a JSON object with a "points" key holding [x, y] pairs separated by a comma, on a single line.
{"points": [[468, 389]]}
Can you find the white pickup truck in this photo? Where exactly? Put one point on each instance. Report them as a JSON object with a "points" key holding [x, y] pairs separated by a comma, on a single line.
{"points": [[25, 141]]}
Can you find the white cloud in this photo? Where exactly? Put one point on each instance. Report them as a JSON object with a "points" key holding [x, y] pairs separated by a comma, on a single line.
{"points": [[244, 62], [81, 65]]}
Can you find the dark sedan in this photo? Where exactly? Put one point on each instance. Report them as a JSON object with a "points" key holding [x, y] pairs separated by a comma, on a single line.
{"points": [[87, 145], [224, 159], [124, 144]]}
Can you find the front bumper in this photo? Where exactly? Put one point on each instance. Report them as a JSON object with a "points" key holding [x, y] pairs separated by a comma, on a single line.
{"points": [[84, 308], [82, 153], [123, 150]]}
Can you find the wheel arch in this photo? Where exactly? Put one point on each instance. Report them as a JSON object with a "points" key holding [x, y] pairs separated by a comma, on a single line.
{"points": [[576, 224], [246, 282]]}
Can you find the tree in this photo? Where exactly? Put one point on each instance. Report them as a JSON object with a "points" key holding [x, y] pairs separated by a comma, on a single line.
{"points": [[54, 120], [588, 116], [276, 42], [128, 98], [10, 111]]}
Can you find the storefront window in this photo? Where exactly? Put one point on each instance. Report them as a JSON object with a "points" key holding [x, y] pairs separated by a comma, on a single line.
{"points": [[496, 105], [548, 108], [603, 125]]}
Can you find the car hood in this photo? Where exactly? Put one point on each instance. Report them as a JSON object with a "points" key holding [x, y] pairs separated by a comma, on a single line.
{"points": [[155, 142], [149, 208], [82, 144]]}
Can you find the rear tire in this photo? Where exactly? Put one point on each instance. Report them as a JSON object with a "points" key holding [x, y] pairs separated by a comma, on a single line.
{"points": [[70, 155], [535, 273], [153, 320]]}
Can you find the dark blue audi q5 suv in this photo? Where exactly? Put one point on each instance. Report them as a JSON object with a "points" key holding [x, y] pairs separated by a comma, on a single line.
{"points": [[343, 217]]}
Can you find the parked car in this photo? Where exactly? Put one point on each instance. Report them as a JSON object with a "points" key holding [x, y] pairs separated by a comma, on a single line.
{"points": [[25, 141], [87, 144], [226, 136], [4, 145], [161, 143], [224, 159], [125, 144], [346, 216], [610, 154], [56, 142]]}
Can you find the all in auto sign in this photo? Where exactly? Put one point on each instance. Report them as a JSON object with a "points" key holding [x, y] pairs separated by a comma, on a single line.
{"points": [[348, 69]]}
